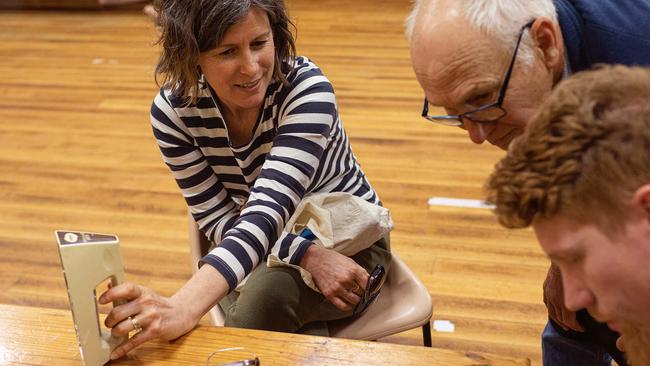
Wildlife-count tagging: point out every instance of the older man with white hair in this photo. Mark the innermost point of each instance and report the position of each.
(490, 63)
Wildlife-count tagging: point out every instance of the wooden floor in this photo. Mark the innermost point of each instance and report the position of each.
(76, 152)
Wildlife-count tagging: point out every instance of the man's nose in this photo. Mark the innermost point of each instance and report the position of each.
(478, 132)
(576, 295)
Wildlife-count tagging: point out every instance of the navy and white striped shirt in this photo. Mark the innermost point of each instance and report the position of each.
(241, 196)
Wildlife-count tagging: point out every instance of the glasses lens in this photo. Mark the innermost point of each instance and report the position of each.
(365, 303)
(489, 114)
(375, 281)
(444, 120)
(372, 299)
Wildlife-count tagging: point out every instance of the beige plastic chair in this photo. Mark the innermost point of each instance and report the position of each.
(404, 303)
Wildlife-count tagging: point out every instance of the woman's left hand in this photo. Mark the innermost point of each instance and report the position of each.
(339, 278)
(156, 316)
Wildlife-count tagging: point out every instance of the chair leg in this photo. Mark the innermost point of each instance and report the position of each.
(426, 334)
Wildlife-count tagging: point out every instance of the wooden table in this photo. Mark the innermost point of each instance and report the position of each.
(42, 336)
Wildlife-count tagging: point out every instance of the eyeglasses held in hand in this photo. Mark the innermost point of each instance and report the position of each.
(373, 287)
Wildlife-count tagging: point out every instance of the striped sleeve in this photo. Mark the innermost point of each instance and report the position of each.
(290, 248)
(306, 116)
(209, 202)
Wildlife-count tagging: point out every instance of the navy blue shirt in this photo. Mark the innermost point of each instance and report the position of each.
(605, 31)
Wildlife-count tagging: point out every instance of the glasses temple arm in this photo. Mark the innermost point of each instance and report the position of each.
(425, 108)
(506, 79)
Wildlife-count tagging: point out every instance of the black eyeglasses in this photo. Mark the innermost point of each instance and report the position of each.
(486, 113)
(375, 281)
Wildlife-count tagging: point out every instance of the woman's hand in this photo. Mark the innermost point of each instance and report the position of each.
(161, 317)
(158, 316)
(340, 279)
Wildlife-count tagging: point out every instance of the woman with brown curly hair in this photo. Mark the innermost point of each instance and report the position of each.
(248, 130)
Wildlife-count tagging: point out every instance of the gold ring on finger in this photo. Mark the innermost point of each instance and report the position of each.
(136, 324)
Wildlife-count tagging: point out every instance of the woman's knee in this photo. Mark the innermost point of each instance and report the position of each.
(269, 301)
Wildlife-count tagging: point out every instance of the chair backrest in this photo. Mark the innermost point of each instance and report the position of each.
(404, 303)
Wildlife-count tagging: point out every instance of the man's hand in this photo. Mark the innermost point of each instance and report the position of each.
(340, 279)
(554, 301)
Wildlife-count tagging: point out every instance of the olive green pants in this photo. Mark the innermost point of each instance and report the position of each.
(278, 299)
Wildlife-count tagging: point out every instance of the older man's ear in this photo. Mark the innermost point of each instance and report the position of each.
(641, 199)
(549, 44)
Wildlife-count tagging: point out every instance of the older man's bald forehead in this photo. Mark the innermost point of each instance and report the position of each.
(455, 79)
(432, 13)
(455, 61)
(454, 48)
(445, 69)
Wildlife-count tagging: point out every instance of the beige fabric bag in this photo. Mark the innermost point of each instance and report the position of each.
(341, 222)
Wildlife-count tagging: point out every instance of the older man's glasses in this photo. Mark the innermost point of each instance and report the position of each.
(375, 281)
(486, 113)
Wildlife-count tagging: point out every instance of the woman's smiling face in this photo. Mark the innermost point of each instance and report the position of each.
(240, 68)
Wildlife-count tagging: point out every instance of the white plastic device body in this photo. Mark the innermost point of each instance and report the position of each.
(89, 259)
